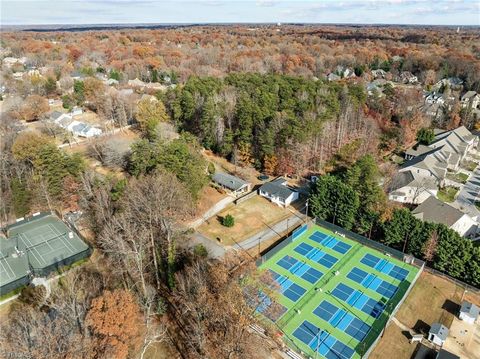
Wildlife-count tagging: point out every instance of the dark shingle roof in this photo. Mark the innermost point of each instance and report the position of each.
(277, 188)
(231, 182)
(434, 210)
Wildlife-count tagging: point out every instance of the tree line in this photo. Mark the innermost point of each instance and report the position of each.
(352, 198)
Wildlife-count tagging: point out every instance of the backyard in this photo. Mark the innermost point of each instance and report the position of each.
(250, 217)
(458, 177)
(447, 194)
(432, 299)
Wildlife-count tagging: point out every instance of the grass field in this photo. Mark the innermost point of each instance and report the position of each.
(431, 300)
(323, 315)
(250, 216)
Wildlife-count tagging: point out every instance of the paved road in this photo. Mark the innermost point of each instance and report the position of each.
(215, 250)
(469, 194)
(270, 232)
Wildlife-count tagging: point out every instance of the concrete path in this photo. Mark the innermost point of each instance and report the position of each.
(401, 325)
(470, 193)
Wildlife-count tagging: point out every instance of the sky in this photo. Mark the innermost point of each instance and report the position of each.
(432, 12)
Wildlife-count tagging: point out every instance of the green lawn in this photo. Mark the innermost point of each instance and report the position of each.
(447, 194)
(303, 309)
(469, 165)
(458, 177)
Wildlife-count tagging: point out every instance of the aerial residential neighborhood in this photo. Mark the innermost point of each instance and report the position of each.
(239, 180)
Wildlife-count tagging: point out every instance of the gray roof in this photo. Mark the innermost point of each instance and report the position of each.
(471, 309)
(434, 210)
(277, 188)
(231, 182)
(56, 114)
(468, 95)
(439, 330)
(401, 179)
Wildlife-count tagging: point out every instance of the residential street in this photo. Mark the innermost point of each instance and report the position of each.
(469, 194)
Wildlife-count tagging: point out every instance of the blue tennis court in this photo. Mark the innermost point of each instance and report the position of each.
(371, 281)
(330, 242)
(289, 289)
(300, 269)
(342, 320)
(322, 342)
(384, 266)
(316, 255)
(272, 310)
(358, 300)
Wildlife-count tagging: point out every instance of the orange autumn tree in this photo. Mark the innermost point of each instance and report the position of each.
(115, 321)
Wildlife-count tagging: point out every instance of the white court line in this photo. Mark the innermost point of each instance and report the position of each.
(11, 270)
(33, 248)
(65, 240)
(4, 269)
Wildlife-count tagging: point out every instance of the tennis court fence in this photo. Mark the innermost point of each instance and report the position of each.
(371, 243)
(296, 232)
(394, 311)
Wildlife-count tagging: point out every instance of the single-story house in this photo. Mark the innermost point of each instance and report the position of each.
(233, 184)
(469, 312)
(278, 192)
(76, 111)
(435, 211)
(83, 130)
(57, 116)
(438, 334)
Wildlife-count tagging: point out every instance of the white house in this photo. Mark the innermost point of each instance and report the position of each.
(405, 188)
(83, 130)
(438, 334)
(470, 98)
(236, 186)
(435, 211)
(469, 312)
(76, 111)
(428, 164)
(278, 192)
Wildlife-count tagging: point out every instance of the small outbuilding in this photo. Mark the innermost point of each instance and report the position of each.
(236, 186)
(469, 312)
(438, 334)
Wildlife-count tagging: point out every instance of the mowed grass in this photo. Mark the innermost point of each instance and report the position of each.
(432, 299)
(251, 216)
(298, 312)
(447, 194)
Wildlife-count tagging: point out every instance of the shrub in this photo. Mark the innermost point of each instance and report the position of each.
(228, 220)
(200, 251)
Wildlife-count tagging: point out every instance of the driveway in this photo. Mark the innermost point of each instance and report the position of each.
(215, 250)
(470, 193)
